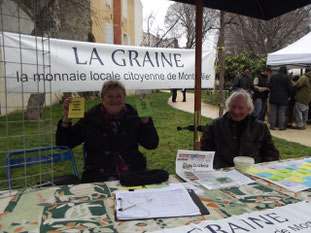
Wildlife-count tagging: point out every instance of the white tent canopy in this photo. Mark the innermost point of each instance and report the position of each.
(295, 55)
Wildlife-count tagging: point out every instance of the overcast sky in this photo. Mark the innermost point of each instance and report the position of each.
(158, 8)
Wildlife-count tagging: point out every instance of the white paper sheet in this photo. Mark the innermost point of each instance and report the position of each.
(172, 201)
(220, 179)
(197, 190)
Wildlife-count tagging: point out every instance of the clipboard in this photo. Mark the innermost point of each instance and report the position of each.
(197, 201)
(139, 204)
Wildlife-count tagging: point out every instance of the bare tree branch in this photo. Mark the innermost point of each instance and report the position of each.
(245, 33)
(184, 15)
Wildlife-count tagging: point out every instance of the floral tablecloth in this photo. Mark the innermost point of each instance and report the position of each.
(90, 207)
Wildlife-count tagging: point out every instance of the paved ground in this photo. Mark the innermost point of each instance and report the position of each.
(293, 135)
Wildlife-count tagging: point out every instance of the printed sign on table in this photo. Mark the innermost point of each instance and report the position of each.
(294, 175)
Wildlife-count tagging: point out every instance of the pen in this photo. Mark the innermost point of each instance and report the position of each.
(131, 206)
(126, 208)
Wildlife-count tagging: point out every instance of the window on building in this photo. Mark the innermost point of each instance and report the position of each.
(108, 3)
(109, 33)
(124, 9)
(126, 39)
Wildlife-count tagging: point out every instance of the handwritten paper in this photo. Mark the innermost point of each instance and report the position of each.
(171, 201)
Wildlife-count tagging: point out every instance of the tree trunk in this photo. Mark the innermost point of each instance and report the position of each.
(69, 19)
(35, 106)
(221, 57)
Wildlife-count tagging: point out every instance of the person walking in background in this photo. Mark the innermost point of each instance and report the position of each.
(302, 96)
(174, 94)
(280, 91)
(243, 80)
(261, 88)
(184, 90)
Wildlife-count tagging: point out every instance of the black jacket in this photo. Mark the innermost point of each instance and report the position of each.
(280, 88)
(222, 136)
(102, 143)
(262, 82)
(242, 81)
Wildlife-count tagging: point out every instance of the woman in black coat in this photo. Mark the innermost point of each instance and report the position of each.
(111, 132)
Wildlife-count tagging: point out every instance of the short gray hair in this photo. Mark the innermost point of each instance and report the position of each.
(111, 84)
(245, 94)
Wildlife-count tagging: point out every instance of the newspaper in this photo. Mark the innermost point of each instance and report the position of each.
(196, 167)
(187, 161)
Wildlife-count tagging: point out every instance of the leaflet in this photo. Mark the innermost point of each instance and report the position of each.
(189, 160)
(76, 108)
(196, 167)
(143, 108)
(221, 179)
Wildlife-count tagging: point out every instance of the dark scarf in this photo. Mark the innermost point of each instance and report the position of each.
(108, 117)
(113, 120)
(113, 124)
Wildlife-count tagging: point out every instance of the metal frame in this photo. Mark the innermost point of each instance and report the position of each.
(45, 155)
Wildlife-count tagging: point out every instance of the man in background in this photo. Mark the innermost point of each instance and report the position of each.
(261, 88)
(238, 133)
(302, 97)
(174, 94)
(243, 80)
(280, 92)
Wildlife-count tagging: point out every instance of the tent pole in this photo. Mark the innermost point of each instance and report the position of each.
(198, 70)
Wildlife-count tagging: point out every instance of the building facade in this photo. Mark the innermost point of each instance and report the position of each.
(150, 40)
(117, 21)
(110, 21)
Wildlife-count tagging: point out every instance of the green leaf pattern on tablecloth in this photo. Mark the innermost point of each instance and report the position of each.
(90, 208)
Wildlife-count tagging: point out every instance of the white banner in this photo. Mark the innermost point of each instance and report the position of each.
(287, 219)
(35, 64)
